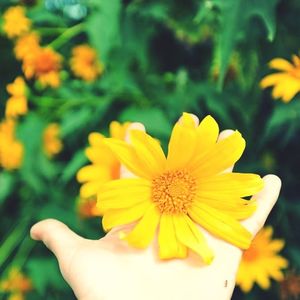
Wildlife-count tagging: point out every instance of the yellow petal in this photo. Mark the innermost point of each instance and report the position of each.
(101, 155)
(93, 173)
(237, 208)
(292, 88)
(272, 79)
(143, 233)
(235, 184)
(223, 155)
(118, 217)
(190, 236)
(148, 152)
(90, 189)
(220, 225)
(169, 246)
(181, 146)
(127, 156)
(123, 193)
(281, 64)
(96, 139)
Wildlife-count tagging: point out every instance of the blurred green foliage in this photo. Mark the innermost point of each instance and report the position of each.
(161, 58)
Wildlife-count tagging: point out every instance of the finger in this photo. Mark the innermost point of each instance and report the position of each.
(266, 199)
(57, 237)
(133, 126)
(222, 136)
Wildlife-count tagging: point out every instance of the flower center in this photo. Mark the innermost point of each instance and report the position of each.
(173, 192)
(46, 63)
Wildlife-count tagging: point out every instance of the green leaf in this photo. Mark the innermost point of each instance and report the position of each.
(154, 119)
(235, 14)
(103, 26)
(7, 181)
(44, 273)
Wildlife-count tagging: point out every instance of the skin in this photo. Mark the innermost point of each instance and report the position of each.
(110, 269)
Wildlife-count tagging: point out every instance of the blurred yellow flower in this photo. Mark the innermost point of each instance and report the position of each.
(15, 22)
(16, 105)
(287, 82)
(174, 193)
(86, 207)
(105, 166)
(16, 283)
(11, 150)
(43, 64)
(261, 262)
(52, 142)
(85, 64)
(26, 44)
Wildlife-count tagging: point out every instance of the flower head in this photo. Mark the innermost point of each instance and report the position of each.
(43, 64)
(16, 105)
(287, 82)
(11, 150)
(26, 44)
(261, 262)
(16, 283)
(105, 165)
(176, 192)
(85, 64)
(15, 22)
(52, 142)
(290, 286)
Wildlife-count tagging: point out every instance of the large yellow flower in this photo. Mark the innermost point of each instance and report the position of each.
(287, 82)
(51, 141)
(43, 64)
(16, 105)
(105, 166)
(85, 64)
(27, 44)
(11, 150)
(261, 262)
(16, 283)
(174, 193)
(15, 22)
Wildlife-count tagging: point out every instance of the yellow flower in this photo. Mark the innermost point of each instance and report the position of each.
(176, 192)
(43, 64)
(287, 82)
(16, 283)
(26, 44)
(52, 142)
(261, 262)
(15, 22)
(105, 166)
(85, 64)
(11, 150)
(16, 105)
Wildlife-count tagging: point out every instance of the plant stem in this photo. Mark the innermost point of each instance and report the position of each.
(66, 35)
(12, 240)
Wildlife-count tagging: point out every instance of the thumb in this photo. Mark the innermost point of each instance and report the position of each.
(58, 238)
(266, 199)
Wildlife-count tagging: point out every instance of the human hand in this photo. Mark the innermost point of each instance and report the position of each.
(110, 269)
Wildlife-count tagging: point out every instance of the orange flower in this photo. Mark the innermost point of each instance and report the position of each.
(43, 64)
(15, 22)
(16, 283)
(84, 63)
(290, 286)
(11, 150)
(287, 82)
(26, 44)
(52, 143)
(86, 207)
(16, 105)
